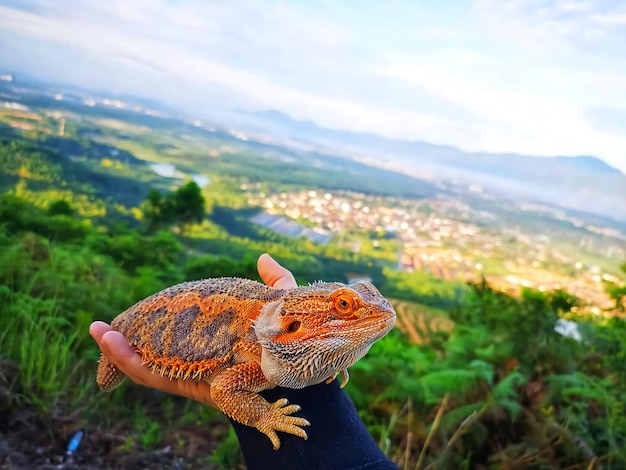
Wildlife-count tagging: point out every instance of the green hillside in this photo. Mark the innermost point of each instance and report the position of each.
(471, 377)
(419, 322)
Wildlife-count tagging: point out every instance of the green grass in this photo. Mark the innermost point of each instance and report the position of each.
(139, 150)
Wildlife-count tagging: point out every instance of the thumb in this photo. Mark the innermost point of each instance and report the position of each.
(273, 274)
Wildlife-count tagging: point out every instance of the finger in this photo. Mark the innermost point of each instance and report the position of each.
(273, 274)
(97, 330)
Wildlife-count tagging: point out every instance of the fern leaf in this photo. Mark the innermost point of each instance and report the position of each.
(505, 388)
(512, 407)
(589, 393)
(437, 384)
(483, 370)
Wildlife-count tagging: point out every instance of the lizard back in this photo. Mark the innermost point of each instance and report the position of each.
(191, 330)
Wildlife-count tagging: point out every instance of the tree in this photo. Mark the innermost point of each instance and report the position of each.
(189, 205)
(60, 207)
(153, 210)
(182, 207)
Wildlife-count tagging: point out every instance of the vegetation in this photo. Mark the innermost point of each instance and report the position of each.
(472, 378)
(502, 390)
(184, 207)
(618, 293)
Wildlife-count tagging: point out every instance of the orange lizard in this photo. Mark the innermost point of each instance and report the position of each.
(243, 337)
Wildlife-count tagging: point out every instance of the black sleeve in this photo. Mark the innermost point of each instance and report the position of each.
(338, 438)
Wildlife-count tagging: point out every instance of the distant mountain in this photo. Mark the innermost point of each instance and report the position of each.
(589, 163)
(311, 130)
(579, 182)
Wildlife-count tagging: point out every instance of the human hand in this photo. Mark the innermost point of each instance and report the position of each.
(115, 347)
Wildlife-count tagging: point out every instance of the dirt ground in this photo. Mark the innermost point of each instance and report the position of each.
(27, 446)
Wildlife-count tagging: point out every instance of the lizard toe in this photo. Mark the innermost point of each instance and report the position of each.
(278, 419)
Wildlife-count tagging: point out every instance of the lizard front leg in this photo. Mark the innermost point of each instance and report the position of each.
(235, 392)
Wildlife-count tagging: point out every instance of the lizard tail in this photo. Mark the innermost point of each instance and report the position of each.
(109, 377)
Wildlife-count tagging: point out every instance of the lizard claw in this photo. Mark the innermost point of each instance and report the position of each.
(277, 419)
(344, 377)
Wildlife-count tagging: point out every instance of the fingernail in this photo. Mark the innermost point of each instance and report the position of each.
(103, 340)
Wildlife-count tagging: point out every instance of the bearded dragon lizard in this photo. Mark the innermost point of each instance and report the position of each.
(243, 337)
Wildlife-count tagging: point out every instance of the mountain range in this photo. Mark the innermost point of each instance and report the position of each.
(584, 183)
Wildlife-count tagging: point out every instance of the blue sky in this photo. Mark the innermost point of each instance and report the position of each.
(541, 77)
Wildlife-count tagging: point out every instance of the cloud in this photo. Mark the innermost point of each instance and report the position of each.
(566, 27)
(611, 121)
(289, 80)
(518, 76)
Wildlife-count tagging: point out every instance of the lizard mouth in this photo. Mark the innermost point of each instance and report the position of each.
(387, 324)
(373, 328)
(382, 325)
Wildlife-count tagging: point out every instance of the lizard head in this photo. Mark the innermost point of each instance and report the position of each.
(314, 332)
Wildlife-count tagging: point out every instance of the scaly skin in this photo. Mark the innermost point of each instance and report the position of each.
(243, 337)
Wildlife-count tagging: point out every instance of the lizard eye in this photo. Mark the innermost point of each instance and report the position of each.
(294, 326)
(344, 304)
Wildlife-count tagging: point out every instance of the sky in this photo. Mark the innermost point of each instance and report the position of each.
(538, 77)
